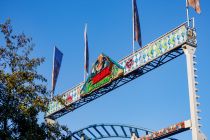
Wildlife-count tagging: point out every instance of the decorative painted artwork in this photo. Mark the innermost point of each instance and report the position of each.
(155, 49)
(163, 132)
(103, 72)
(69, 97)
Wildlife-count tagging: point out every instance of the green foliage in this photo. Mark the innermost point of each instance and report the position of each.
(23, 94)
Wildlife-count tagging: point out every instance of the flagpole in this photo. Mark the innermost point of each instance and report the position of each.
(52, 93)
(187, 13)
(84, 76)
(133, 25)
(85, 63)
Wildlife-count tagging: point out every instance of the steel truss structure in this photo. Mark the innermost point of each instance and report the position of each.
(121, 81)
(139, 70)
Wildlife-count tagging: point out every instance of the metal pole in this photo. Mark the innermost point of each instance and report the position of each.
(52, 94)
(133, 25)
(193, 22)
(85, 63)
(187, 13)
(133, 136)
(189, 52)
(84, 76)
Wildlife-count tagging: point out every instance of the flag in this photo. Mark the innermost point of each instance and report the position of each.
(86, 52)
(58, 55)
(136, 24)
(195, 4)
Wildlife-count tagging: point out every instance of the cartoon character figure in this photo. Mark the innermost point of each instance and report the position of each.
(100, 64)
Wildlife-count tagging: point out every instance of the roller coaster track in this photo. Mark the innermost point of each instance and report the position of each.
(102, 131)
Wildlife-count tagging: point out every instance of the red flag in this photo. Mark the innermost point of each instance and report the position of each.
(136, 24)
(195, 4)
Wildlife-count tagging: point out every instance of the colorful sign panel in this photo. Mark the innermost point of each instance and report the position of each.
(101, 76)
(103, 72)
(155, 49)
(167, 131)
(69, 97)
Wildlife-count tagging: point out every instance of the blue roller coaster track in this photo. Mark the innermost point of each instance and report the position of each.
(102, 131)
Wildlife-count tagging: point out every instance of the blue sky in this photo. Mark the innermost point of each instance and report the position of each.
(155, 100)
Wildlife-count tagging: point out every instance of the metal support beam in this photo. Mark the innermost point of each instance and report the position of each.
(114, 130)
(121, 81)
(123, 131)
(133, 136)
(105, 130)
(189, 52)
(49, 121)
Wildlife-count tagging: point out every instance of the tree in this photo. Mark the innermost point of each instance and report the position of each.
(23, 94)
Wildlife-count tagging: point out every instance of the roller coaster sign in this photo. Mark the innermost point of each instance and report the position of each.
(103, 72)
(163, 133)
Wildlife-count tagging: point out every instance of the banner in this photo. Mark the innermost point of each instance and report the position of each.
(136, 24)
(195, 4)
(58, 55)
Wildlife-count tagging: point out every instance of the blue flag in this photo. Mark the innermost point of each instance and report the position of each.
(58, 55)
